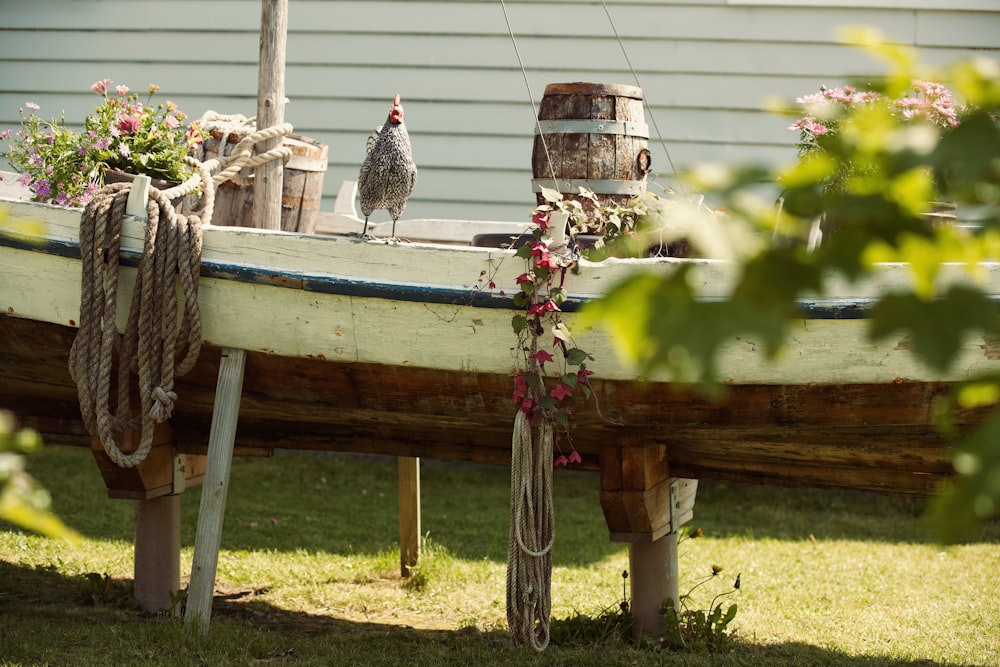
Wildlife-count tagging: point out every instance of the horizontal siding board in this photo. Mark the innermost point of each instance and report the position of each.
(706, 68)
(663, 21)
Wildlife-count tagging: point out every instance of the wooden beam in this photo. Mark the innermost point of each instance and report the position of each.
(635, 491)
(215, 488)
(409, 514)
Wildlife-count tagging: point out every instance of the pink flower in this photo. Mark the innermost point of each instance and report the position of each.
(818, 129)
(124, 150)
(574, 457)
(527, 404)
(562, 461)
(101, 87)
(542, 308)
(547, 263)
(171, 122)
(32, 105)
(129, 125)
(561, 391)
(542, 220)
(523, 278)
(541, 356)
(122, 90)
(520, 389)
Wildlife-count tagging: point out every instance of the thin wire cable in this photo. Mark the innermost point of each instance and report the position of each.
(635, 77)
(527, 86)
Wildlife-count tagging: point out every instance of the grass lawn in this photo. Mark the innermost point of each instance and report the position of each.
(308, 575)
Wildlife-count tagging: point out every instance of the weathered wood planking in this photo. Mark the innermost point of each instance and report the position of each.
(397, 349)
(876, 437)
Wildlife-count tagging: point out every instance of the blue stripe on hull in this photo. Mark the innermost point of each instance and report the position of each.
(829, 309)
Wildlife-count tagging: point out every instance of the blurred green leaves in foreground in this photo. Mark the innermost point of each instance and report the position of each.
(23, 501)
(869, 190)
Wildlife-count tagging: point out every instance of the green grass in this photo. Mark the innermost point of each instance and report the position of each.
(308, 575)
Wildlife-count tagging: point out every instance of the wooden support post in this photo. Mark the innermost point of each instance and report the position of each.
(409, 514)
(645, 507)
(270, 111)
(654, 579)
(215, 486)
(157, 564)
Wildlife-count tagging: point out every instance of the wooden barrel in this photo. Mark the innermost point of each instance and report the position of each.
(302, 189)
(591, 135)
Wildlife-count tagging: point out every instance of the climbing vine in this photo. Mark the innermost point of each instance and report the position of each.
(553, 377)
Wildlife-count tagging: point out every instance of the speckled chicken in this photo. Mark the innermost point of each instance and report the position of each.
(388, 173)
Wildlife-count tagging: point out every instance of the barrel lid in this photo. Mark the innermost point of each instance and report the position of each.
(583, 88)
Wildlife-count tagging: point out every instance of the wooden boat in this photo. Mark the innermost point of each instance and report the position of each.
(398, 348)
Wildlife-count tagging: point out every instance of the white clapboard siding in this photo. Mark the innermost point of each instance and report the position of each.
(707, 69)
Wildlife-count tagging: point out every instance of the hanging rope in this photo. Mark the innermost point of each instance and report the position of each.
(157, 344)
(162, 338)
(532, 533)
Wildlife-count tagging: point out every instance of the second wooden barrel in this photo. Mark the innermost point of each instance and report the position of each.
(591, 135)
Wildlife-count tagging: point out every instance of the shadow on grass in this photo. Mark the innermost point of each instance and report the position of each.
(52, 618)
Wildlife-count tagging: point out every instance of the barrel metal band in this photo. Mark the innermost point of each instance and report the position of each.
(583, 126)
(597, 186)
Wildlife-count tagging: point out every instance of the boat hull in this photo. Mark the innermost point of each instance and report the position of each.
(407, 349)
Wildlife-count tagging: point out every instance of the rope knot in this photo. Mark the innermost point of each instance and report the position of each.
(163, 404)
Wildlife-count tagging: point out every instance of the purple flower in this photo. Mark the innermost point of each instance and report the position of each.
(41, 188)
(35, 160)
(24, 179)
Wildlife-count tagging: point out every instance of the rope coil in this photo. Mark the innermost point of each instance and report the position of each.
(532, 533)
(162, 338)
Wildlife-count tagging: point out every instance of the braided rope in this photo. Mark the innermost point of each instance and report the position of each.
(156, 345)
(532, 533)
(242, 155)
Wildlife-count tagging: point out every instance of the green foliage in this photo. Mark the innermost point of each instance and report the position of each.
(889, 170)
(700, 630)
(23, 501)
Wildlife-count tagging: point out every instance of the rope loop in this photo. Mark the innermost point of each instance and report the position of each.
(532, 533)
(243, 154)
(161, 338)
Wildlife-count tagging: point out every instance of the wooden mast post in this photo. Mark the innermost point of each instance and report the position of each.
(267, 215)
